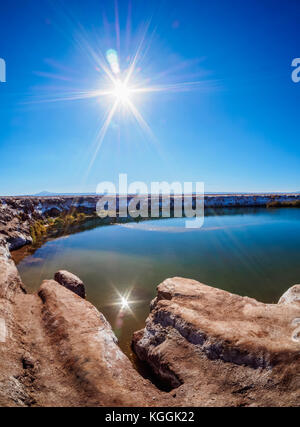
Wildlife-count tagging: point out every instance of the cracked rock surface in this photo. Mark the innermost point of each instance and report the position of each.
(212, 348)
(220, 349)
(56, 349)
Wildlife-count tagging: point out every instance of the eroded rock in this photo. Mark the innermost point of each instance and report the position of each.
(86, 350)
(71, 282)
(58, 350)
(10, 281)
(221, 349)
(212, 347)
(291, 296)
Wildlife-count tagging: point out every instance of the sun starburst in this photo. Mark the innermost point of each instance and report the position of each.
(120, 86)
(122, 92)
(124, 302)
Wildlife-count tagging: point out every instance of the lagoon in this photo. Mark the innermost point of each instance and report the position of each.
(249, 251)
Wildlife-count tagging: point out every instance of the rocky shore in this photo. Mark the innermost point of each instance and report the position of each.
(220, 349)
(208, 347)
(18, 215)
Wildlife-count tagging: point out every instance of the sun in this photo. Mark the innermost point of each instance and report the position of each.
(122, 87)
(124, 303)
(121, 92)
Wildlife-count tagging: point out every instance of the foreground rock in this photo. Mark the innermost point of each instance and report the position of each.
(10, 281)
(219, 349)
(211, 348)
(56, 349)
(291, 296)
(71, 282)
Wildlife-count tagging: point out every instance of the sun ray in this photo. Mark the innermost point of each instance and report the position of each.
(177, 87)
(102, 133)
(136, 56)
(117, 27)
(120, 84)
(141, 121)
(98, 57)
(71, 96)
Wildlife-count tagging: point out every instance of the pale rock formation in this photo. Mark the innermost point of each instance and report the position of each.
(211, 347)
(221, 349)
(56, 349)
(71, 282)
(291, 296)
(10, 281)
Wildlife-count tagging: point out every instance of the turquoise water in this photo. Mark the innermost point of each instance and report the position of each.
(253, 252)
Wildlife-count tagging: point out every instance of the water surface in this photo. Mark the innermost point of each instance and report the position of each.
(253, 252)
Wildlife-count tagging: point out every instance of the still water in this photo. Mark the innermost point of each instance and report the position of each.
(253, 252)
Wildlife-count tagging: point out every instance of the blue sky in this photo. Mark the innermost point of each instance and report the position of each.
(237, 129)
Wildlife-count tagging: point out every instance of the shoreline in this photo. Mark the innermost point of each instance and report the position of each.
(24, 219)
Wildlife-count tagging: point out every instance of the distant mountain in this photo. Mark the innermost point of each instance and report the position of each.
(44, 194)
(209, 193)
(49, 194)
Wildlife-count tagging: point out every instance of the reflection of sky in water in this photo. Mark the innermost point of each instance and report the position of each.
(254, 254)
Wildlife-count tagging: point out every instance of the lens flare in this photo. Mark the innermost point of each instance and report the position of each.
(121, 82)
(113, 60)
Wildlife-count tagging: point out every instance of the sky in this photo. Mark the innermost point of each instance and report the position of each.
(224, 111)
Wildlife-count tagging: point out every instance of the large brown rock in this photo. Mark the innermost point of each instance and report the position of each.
(10, 281)
(71, 282)
(85, 351)
(220, 349)
(57, 350)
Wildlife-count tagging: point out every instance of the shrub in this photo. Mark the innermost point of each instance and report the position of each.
(59, 222)
(37, 230)
(80, 217)
(290, 204)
